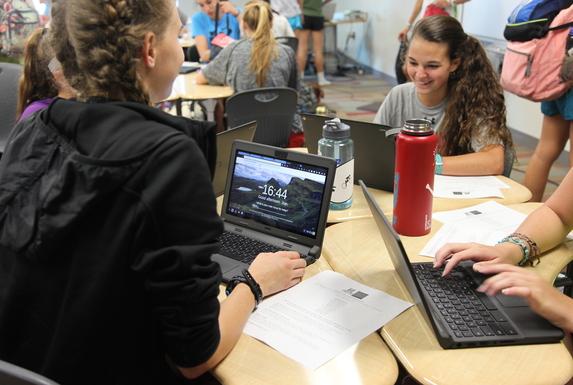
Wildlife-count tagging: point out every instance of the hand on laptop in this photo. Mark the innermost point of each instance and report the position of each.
(278, 271)
(453, 253)
(543, 298)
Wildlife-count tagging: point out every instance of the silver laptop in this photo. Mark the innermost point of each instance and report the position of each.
(274, 200)
(461, 316)
(225, 141)
(374, 152)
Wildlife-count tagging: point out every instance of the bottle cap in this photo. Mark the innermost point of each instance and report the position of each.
(335, 129)
(417, 127)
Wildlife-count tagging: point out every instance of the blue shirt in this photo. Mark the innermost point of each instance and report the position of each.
(203, 25)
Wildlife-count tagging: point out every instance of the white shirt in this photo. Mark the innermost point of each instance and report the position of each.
(281, 26)
(287, 8)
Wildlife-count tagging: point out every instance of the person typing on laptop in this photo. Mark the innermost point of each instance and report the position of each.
(542, 230)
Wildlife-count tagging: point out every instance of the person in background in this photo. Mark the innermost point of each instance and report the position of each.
(523, 248)
(42, 78)
(108, 218)
(312, 25)
(281, 25)
(203, 26)
(291, 10)
(456, 89)
(556, 130)
(432, 8)
(256, 60)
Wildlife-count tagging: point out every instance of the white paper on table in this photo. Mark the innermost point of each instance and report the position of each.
(468, 187)
(321, 317)
(488, 224)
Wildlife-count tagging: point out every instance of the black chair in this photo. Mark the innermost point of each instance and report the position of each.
(14, 375)
(9, 77)
(272, 108)
(291, 41)
(508, 159)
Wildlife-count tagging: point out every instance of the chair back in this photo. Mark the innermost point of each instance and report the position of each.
(9, 77)
(14, 375)
(291, 41)
(508, 159)
(273, 109)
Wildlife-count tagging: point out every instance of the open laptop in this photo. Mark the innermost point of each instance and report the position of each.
(374, 152)
(225, 141)
(461, 316)
(274, 200)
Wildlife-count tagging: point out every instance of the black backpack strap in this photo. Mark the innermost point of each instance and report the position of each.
(566, 25)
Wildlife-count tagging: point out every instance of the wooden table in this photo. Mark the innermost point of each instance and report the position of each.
(356, 249)
(253, 363)
(186, 88)
(516, 193)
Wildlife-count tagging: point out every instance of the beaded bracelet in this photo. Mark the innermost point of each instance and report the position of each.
(529, 249)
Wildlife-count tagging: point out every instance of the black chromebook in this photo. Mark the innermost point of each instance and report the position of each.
(374, 152)
(461, 316)
(274, 200)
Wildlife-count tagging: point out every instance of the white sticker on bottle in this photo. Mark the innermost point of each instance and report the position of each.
(343, 182)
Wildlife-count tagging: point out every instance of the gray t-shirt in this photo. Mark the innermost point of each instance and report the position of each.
(232, 67)
(402, 103)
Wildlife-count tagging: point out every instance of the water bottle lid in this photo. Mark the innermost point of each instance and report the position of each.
(335, 129)
(417, 127)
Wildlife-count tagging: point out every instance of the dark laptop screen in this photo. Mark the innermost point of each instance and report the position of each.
(275, 192)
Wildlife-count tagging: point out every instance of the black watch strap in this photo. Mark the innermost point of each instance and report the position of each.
(247, 279)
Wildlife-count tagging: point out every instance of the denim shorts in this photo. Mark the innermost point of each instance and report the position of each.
(562, 106)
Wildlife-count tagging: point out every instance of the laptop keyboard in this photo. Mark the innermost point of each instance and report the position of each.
(242, 248)
(467, 312)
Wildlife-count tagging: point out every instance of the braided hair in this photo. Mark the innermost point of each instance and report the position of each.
(102, 43)
(475, 97)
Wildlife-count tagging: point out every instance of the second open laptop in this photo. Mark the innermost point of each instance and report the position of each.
(373, 152)
(225, 141)
(461, 316)
(274, 200)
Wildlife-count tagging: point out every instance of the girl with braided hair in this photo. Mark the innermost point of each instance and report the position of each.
(256, 61)
(454, 86)
(108, 219)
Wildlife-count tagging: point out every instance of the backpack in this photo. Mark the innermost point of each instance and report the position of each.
(531, 69)
(531, 19)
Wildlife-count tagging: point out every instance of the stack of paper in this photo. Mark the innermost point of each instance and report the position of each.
(485, 223)
(468, 187)
(321, 317)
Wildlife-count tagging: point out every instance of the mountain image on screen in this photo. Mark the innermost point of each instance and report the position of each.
(298, 209)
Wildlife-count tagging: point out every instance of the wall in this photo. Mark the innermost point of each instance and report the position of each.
(376, 45)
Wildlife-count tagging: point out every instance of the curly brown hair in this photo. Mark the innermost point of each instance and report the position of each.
(475, 96)
(36, 81)
(99, 43)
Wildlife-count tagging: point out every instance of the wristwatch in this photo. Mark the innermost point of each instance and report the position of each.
(439, 164)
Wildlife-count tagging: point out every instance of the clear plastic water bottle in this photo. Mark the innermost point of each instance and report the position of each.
(336, 144)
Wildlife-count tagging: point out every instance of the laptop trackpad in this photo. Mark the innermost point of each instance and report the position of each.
(225, 263)
(509, 301)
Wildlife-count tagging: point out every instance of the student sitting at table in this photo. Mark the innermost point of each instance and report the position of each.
(108, 218)
(542, 230)
(205, 27)
(454, 86)
(255, 61)
(42, 78)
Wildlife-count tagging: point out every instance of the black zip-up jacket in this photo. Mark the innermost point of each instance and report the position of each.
(107, 224)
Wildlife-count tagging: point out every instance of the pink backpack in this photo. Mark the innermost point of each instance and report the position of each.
(531, 68)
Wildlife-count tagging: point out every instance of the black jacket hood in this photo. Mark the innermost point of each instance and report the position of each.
(63, 160)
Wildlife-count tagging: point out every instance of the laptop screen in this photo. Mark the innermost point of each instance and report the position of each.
(284, 194)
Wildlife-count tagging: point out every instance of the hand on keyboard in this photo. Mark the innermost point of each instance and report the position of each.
(451, 254)
(278, 271)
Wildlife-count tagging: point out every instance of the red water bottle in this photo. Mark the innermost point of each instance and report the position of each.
(414, 178)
